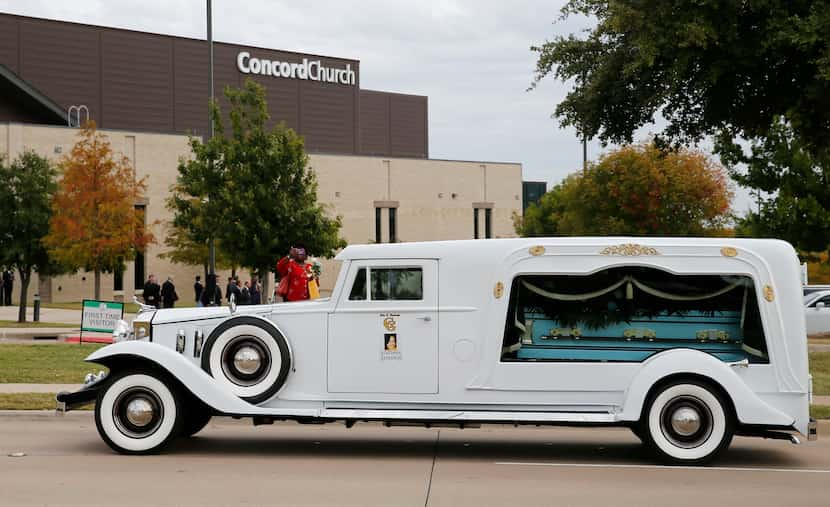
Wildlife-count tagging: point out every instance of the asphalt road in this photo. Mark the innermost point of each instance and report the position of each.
(233, 463)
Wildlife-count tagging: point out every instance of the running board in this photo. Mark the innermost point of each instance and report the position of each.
(478, 416)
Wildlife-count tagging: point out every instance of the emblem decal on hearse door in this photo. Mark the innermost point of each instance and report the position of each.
(389, 322)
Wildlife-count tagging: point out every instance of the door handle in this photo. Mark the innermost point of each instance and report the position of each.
(426, 318)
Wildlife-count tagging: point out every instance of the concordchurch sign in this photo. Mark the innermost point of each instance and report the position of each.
(311, 70)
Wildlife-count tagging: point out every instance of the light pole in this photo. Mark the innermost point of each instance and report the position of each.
(211, 244)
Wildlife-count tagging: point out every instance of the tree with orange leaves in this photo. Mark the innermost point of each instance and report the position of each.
(639, 190)
(95, 224)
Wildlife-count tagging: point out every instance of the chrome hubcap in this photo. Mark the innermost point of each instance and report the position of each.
(685, 421)
(247, 360)
(140, 412)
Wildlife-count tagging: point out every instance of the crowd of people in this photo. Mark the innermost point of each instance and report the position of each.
(298, 281)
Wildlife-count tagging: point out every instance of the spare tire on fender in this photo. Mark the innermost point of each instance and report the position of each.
(248, 356)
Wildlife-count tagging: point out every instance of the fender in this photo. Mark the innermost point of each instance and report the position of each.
(749, 408)
(193, 378)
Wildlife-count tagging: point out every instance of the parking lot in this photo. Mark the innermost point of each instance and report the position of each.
(231, 462)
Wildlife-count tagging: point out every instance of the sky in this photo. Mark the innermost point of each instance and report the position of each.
(471, 58)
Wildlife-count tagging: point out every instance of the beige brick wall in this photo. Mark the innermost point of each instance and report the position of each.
(435, 198)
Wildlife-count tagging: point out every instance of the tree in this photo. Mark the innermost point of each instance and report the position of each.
(187, 249)
(704, 66)
(639, 190)
(796, 182)
(95, 224)
(758, 71)
(25, 196)
(252, 189)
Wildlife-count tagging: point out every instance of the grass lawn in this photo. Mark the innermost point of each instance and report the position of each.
(30, 401)
(820, 411)
(48, 363)
(16, 324)
(820, 369)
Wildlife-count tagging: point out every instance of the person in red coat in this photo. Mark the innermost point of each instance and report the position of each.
(298, 272)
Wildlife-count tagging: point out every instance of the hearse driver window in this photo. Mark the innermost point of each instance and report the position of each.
(358, 292)
(628, 314)
(389, 284)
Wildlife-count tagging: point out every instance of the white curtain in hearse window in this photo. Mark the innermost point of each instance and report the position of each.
(626, 314)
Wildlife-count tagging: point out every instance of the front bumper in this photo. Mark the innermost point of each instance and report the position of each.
(67, 401)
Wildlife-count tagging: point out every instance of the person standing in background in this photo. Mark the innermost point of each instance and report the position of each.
(256, 291)
(168, 293)
(8, 286)
(245, 294)
(197, 289)
(212, 295)
(294, 267)
(152, 292)
(228, 290)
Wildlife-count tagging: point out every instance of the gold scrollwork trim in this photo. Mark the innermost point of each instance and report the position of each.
(629, 250)
(498, 290)
(729, 251)
(769, 295)
(536, 250)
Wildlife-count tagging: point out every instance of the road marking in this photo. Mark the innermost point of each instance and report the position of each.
(666, 467)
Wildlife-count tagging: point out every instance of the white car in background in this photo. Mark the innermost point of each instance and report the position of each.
(817, 312)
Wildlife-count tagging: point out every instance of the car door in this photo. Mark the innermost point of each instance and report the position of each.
(383, 333)
(817, 316)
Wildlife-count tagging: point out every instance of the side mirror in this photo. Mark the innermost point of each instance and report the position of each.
(820, 305)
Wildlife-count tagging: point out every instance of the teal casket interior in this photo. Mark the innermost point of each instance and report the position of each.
(629, 314)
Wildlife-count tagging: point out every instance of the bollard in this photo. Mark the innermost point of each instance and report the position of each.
(37, 307)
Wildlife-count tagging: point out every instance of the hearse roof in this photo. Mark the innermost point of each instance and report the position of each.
(488, 247)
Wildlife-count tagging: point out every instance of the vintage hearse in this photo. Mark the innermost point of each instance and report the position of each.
(687, 341)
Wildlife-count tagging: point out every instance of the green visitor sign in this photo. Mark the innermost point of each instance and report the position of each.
(101, 316)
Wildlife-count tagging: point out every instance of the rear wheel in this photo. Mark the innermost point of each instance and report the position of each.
(137, 413)
(687, 422)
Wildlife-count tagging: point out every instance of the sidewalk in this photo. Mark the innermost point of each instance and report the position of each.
(38, 388)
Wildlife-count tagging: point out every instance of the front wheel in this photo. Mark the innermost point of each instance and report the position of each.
(137, 413)
(687, 422)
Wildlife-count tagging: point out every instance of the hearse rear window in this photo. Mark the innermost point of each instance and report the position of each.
(630, 313)
(389, 284)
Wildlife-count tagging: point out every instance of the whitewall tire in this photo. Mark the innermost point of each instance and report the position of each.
(138, 413)
(687, 422)
(247, 357)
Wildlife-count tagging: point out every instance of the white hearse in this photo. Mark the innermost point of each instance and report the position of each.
(687, 341)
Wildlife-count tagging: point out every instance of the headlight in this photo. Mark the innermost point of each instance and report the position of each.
(142, 330)
(121, 332)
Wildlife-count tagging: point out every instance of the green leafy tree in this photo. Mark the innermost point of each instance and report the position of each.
(252, 189)
(758, 71)
(796, 183)
(198, 200)
(25, 210)
(639, 190)
(187, 250)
